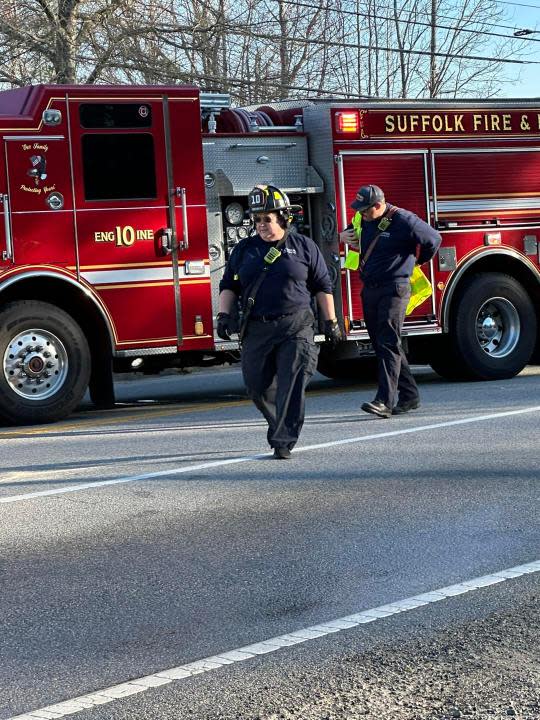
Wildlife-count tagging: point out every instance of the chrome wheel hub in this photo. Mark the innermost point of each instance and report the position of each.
(498, 327)
(35, 364)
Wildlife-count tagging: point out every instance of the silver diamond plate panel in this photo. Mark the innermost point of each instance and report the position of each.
(216, 239)
(171, 350)
(238, 163)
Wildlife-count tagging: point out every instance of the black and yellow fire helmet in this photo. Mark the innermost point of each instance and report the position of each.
(268, 198)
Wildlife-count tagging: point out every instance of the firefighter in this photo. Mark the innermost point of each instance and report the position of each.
(392, 240)
(275, 274)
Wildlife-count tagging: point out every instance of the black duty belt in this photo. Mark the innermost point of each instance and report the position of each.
(271, 318)
(373, 285)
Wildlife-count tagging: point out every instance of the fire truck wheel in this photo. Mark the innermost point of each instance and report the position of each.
(443, 359)
(494, 327)
(101, 385)
(359, 369)
(45, 363)
(535, 358)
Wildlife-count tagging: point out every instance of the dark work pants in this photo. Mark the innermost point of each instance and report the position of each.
(384, 313)
(278, 360)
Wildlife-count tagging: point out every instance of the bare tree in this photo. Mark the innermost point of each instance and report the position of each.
(48, 35)
(261, 50)
(445, 49)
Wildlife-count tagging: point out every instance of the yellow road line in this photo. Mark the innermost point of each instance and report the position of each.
(118, 419)
(141, 414)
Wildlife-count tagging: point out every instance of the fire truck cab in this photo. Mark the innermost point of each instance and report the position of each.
(120, 206)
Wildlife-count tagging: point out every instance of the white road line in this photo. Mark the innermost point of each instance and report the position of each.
(249, 458)
(269, 645)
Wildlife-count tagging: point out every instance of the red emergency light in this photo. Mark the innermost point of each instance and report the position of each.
(347, 122)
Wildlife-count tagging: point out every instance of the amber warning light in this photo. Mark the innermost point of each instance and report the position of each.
(347, 122)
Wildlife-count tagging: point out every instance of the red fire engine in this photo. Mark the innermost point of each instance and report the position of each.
(120, 206)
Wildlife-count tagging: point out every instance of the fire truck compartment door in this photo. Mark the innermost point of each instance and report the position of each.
(38, 220)
(403, 176)
(188, 214)
(132, 223)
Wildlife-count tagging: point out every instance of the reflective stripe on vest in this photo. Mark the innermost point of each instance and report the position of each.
(352, 259)
(357, 225)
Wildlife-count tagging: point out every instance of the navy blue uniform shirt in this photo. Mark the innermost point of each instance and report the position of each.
(289, 282)
(394, 255)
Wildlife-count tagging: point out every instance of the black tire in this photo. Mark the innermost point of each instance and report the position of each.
(444, 360)
(358, 369)
(535, 357)
(45, 363)
(101, 385)
(493, 328)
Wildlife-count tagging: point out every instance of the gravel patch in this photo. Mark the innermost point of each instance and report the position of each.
(486, 669)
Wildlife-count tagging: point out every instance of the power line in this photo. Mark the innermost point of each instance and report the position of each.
(357, 13)
(190, 77)
(379, 48)
(506, 2)
(238, 19)
(269, 83)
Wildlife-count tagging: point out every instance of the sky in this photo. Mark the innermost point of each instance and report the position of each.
(528, 85)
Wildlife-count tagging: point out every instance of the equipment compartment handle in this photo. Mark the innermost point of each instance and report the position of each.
(184, 243)
(8, 252)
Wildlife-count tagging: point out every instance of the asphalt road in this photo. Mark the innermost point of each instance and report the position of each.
(158, 533)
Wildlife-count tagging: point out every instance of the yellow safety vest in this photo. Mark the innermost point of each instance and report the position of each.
(352, 259)
(421, 288)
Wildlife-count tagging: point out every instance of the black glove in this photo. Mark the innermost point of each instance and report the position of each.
(332, 332)
(225, 325)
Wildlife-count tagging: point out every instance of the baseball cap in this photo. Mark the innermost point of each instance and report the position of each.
(367, 196)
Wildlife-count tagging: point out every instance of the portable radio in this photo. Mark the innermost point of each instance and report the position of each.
(384, 224)
(272, 255)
